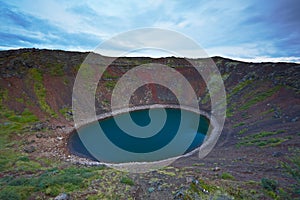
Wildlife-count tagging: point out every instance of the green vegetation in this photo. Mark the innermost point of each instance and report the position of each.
(64, 111)
(239, 124)
(225, 76)
(51, 181)
(110, 84)
(270, 186)
(239, 87)
(227, 175)
(271, 142)
(261, 140)
(206, 98)
(229, 112)
(40, 91)
(56, 69)
(244, 130)
(263, 134)
(293, 169)
(13, 125)
(268, 111)
(20, 100)
(106, 75)
(126, 180)
(259, 98)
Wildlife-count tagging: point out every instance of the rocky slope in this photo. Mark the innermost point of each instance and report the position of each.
(257, 155)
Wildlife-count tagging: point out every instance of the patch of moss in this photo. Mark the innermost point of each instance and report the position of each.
(292, 168)
(263, 134)
(40, 91)
(56, 69)
(64, 111)
(165, 172)
(271, 142)
(239, 87)
(52, 181)
(110, 84)
(225, 76)
(20, 100)
(244, 130)
(267, 111)
(227, 176)
(259, 98)
(126, 180)
(108, 76)
(239, 124)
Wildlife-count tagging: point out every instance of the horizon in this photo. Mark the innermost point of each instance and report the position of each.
(249, 31)
(270, 60)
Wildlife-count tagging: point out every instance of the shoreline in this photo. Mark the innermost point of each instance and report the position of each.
(85, 161)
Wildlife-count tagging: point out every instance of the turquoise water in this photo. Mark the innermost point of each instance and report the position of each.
(147, 140)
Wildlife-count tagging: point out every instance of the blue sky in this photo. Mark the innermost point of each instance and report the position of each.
(251, 30)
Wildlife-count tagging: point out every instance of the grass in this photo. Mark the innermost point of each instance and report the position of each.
(259, 98)
(110, 84)
(64, 111)
(56, 69)
(13, 124)
(268, 111)
(261, 140)
(271, 142)
(108, 76)
(126, 180)
(244, 130)
(292, 167)
(227, 176)
(40, 91)
(51, 182)
(229, 112)
(263, 134)
(239, 87)
(239, 124)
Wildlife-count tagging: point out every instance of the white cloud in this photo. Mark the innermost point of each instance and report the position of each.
(291, 59)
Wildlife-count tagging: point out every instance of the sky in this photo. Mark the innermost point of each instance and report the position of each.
(249, 30)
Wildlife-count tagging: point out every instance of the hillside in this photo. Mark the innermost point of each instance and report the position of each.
(256, 157)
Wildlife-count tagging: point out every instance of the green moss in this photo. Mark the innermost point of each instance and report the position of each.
(271, 142)
(259, 98)
(239, 87)
(25, 117)
(9, 193)
(51, 182)
(110, 84)
(244, 130)
(40, 91)
(56, 69)
(126, 180)
(264, 134)
(64, 111)
(227, 175)
(267, 111)
(239, 124)
(165, 172)
(20, 100)
(269, 184)
(27, 166)
(229, 112)
(225, 76)
(106, 75)
(292, 168)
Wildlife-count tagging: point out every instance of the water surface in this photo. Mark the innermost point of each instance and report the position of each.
(148, 139)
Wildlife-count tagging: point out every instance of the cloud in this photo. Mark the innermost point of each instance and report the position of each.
(232, 28)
